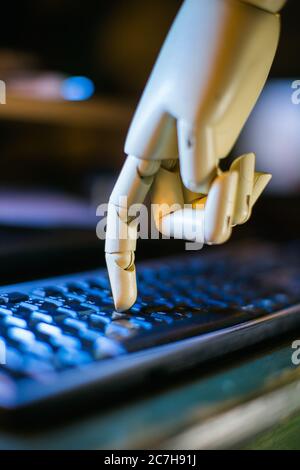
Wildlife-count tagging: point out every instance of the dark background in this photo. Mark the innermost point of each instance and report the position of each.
(115, 43)
(95, 37)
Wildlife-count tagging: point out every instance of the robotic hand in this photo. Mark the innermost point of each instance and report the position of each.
(208, 77)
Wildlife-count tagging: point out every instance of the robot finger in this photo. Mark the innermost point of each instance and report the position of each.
(131, 188)
(245, 167)
(261, 181)
(219, 208)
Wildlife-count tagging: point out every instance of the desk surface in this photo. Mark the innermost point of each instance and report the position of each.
(224, 408)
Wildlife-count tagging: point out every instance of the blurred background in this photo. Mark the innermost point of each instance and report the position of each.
(74, 72)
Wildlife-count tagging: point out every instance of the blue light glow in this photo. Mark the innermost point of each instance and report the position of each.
(77, 88)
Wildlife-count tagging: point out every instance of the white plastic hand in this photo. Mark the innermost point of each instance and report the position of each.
(207, 78)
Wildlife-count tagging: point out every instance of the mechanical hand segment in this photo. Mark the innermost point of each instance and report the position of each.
(207, 79)
(206, 220)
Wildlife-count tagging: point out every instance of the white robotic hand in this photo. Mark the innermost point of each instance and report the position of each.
(207, 79)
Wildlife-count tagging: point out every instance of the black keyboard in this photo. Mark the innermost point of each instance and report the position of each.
(62, 334)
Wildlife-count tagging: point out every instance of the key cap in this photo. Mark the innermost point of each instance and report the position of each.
(71, 325)
(215, 304)
(65, 341)
(54, 336)
(120, 316)
(90, 306)
(5, 311)
(88, 338)
(39, 349)
(55, 291)
(141, 324)
(26, 308)
(13, 297)
(20, 335)
(60, 318)
(106, 348)
(182, 315)
(50, 305)
(98, 321)
(76, 310)
(62, 312)
(119, 331)
(99, 283)
(72, 358)
(46, 332)
(77, 288)
(162, 318)
(100, 301)
(72, 304)
(75, 297)
(38, 317)
(9, 320)
(50, 330)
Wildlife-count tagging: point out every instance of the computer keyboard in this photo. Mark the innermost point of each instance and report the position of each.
(62, 333)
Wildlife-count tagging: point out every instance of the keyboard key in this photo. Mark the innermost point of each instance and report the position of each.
(50, 305)
(99, 283)
(65, 341)
(77, 288)
(71, 325)
(27, 308)
(48, 330)
(77, 308)
(72, 358)
(90, 307)
(182, 315)
(9, 320)
(88, 337)
(120, 330)
(120, 316)
(63, 312)
(52, 291)
(54, 336)
(70, 297)
(98, 321)
(13, 297)
(5, 311)
(104, 348)
(59, 318)
(141, 323)
(162, 318)
(20, 335)
(38, 317)
(39, 349)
